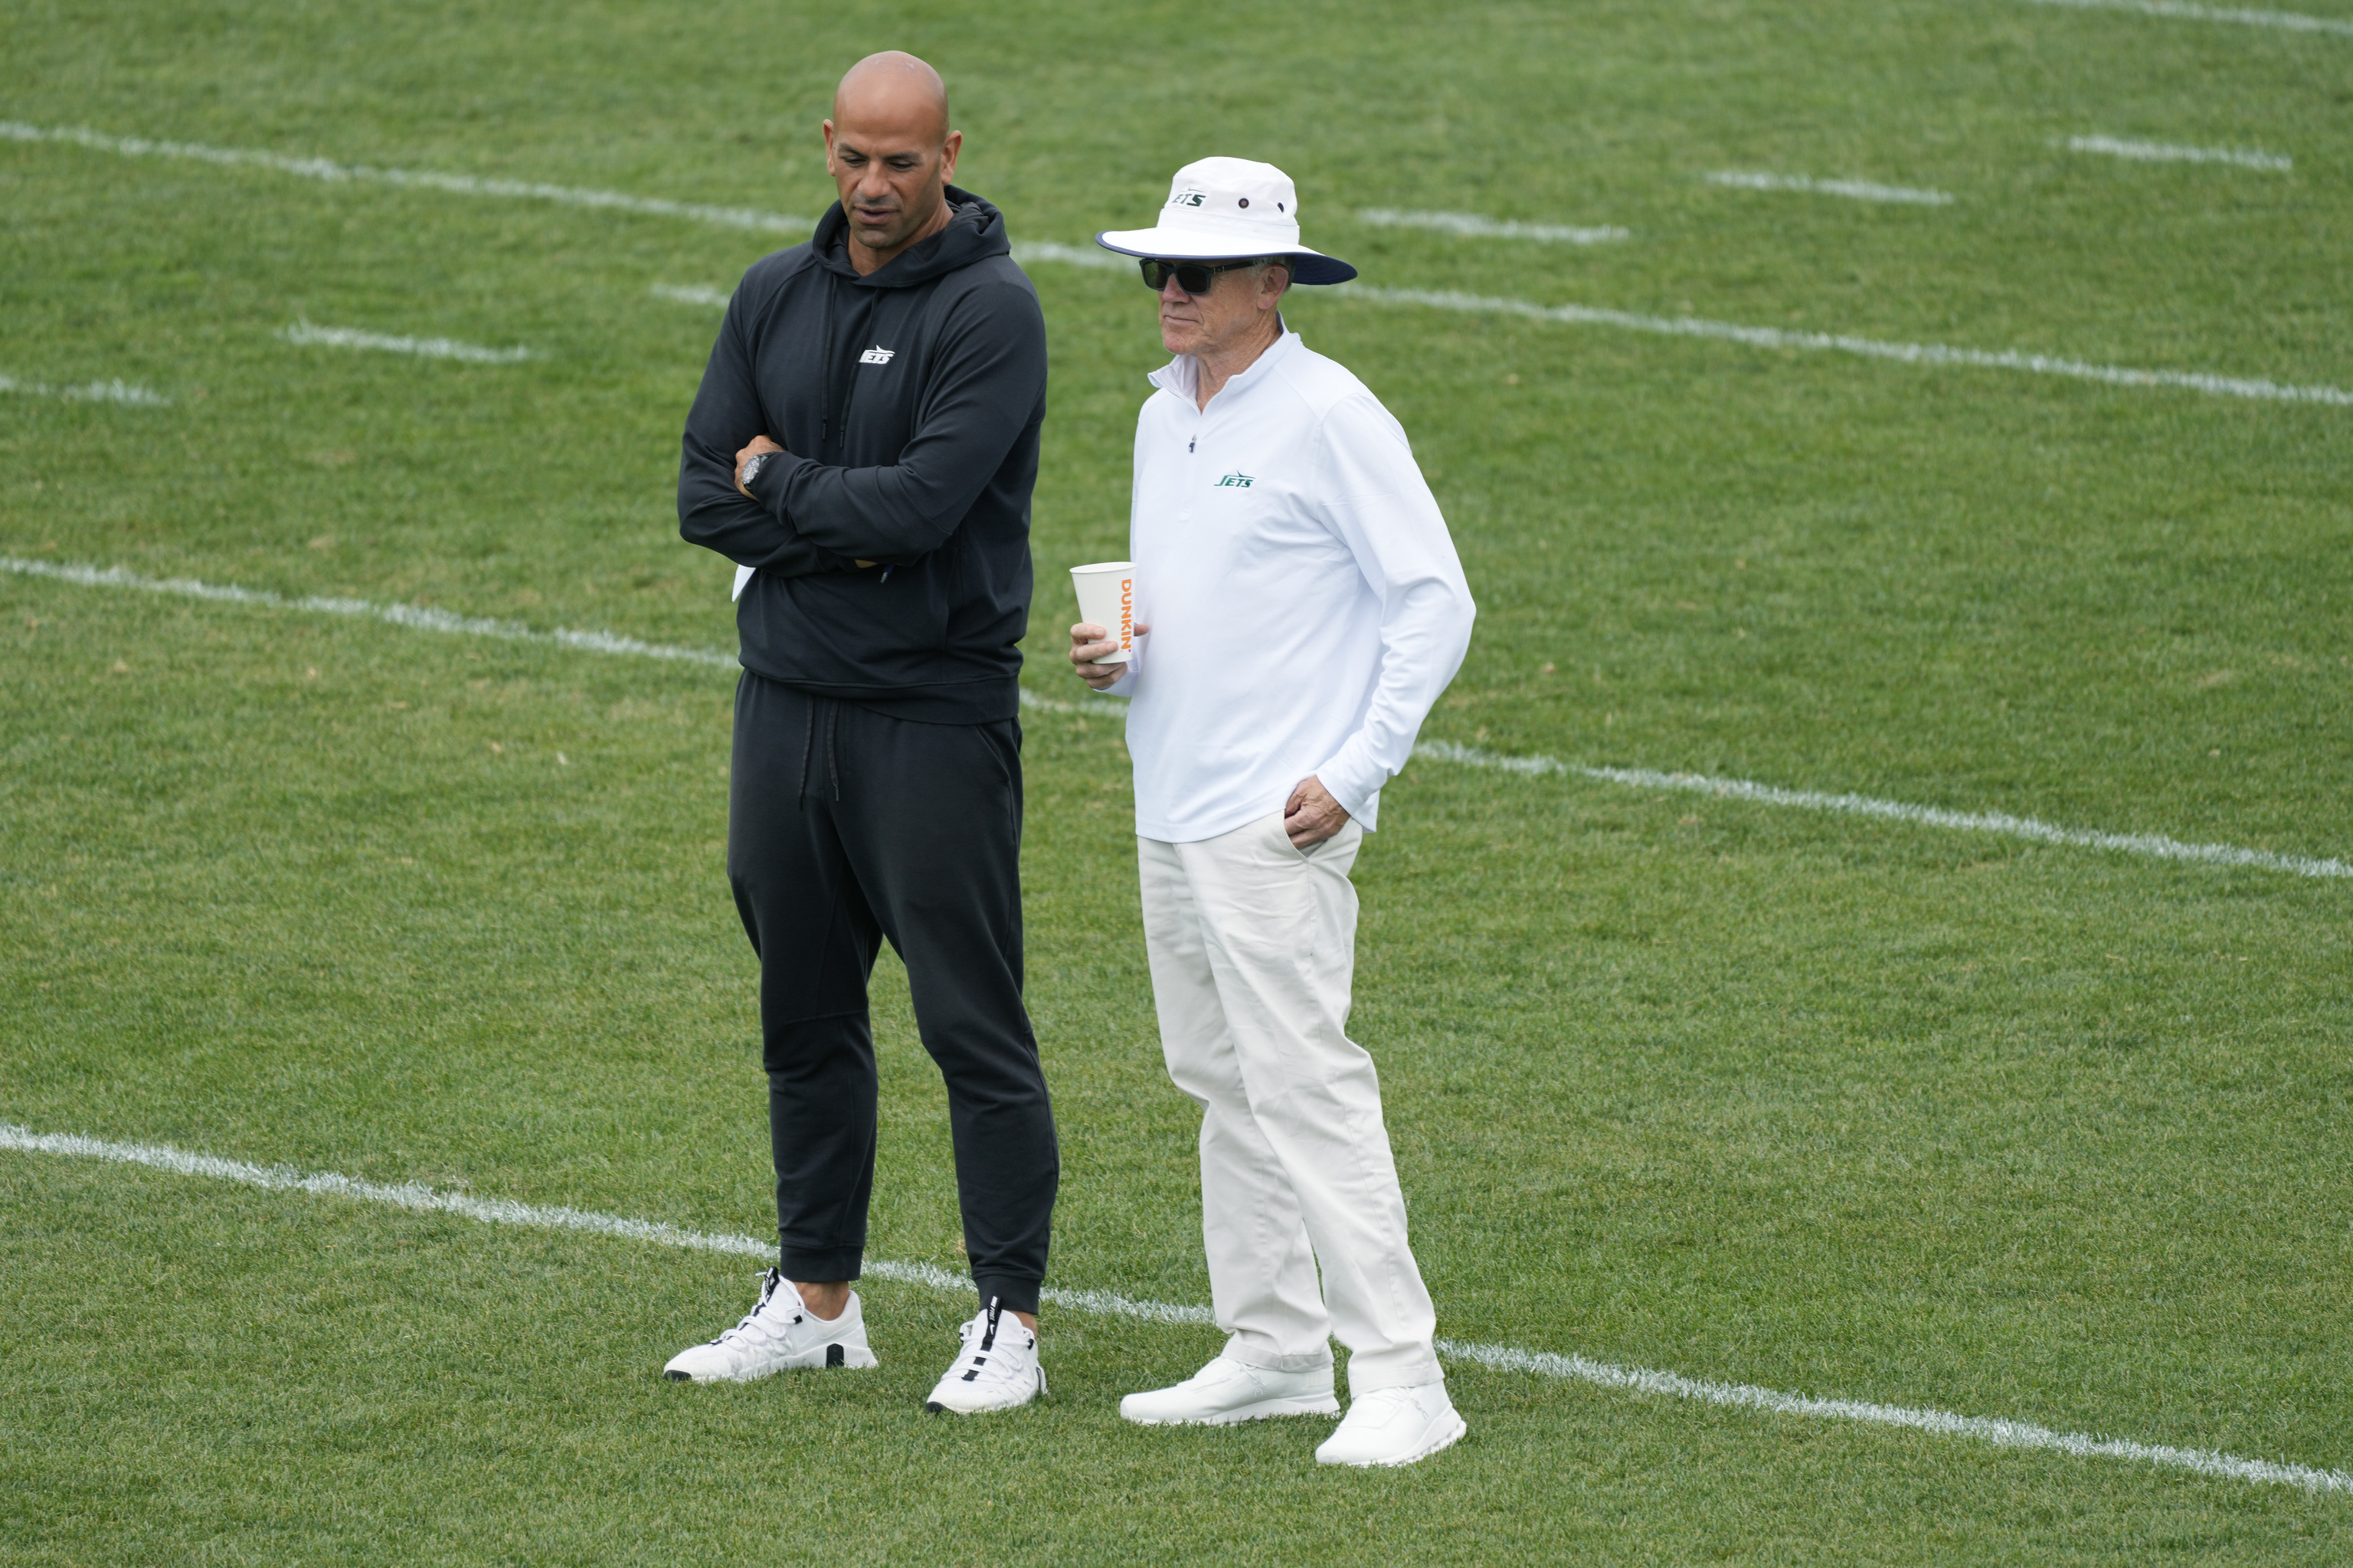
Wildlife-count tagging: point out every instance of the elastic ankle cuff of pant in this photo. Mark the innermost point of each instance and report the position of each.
(1012, 1295)
(819, 1267)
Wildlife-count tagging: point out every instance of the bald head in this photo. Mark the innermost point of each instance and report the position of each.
(892, 154)
(897, 90)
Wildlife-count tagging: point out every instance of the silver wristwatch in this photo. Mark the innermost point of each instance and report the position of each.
(752, 467)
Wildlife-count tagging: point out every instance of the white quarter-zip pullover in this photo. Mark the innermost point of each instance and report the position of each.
(1305, 601)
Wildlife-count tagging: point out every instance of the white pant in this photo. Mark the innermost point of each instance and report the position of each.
(1253, 947)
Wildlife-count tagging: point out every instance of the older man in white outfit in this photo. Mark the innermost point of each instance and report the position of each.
(1300, 608)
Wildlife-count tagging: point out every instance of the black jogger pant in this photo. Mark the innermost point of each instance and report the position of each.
(845, 827)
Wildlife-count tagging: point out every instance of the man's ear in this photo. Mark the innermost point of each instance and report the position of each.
(948, 151)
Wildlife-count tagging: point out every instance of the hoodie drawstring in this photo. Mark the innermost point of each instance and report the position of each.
(832, 752)
(809, 734)
(827, 372)
(809, 741)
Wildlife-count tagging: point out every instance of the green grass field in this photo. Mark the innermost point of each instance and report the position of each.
(1781, 1097)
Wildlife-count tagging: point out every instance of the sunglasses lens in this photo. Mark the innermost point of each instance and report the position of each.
(1191, 276)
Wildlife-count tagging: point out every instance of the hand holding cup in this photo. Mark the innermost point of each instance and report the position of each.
(1089, 642)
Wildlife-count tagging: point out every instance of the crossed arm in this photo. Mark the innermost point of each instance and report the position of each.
(758, 445)
(983, 383)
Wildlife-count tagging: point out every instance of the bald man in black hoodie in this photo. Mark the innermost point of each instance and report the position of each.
(863, 448)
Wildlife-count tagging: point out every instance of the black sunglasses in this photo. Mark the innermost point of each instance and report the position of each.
(1193, 277)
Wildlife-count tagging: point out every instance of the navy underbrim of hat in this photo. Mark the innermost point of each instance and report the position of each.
(1306, 266)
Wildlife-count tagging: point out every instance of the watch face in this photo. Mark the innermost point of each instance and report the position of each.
(752, 469)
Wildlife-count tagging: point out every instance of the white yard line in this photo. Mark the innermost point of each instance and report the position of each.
(303, 332)
(2292, 21)
(114, 391)
(1867, 347)
(421, 618)
(420, 1198)
(1471, 226)
(2162, 153)
(1993, 1429)
(416, 179)
(2152, 845)
(1584, 315)
(1930, 354)
(414, 617)
(693, 294)
(1853, 190)
(1095, 256)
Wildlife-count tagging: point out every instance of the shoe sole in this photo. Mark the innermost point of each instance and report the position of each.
(1329, 1404)
(836, 1355)
(1450, 1437)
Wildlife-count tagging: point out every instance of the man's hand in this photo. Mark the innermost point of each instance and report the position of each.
(1089, 642)
(763, 444)
(1311, 815)
(759, 444)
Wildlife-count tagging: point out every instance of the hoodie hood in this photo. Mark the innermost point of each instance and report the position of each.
(976, 232)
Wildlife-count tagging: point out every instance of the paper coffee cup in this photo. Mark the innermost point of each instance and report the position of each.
(1107, 598)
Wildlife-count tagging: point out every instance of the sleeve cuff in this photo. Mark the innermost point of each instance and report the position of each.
(768, 487)
(1347, 783)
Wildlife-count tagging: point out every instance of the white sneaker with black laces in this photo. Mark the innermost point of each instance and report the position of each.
(997, 1370)
(777, 1333)
(1226, 1391)
(1394, 1426)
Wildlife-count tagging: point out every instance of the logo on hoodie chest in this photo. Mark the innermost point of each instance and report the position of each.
(1236, 482)
(877, 355)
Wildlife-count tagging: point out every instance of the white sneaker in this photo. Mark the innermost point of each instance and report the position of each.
(778, 1333)
(997, 1370)
(1394, 1426)
(1226, 1391)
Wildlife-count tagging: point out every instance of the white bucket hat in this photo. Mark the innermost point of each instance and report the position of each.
(1224, 210)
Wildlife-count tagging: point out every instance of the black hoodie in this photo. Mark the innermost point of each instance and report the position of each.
(908, 403)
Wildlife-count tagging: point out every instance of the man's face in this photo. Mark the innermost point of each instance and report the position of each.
(892, 168)
(1226, 315)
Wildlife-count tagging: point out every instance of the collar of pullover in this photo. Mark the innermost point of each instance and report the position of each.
(974, 233)
(1182, 374)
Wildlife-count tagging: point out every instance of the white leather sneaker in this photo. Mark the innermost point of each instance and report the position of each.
(1226, 1391)
(997, 1370)
(778, 1333)
(1394, 1426)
